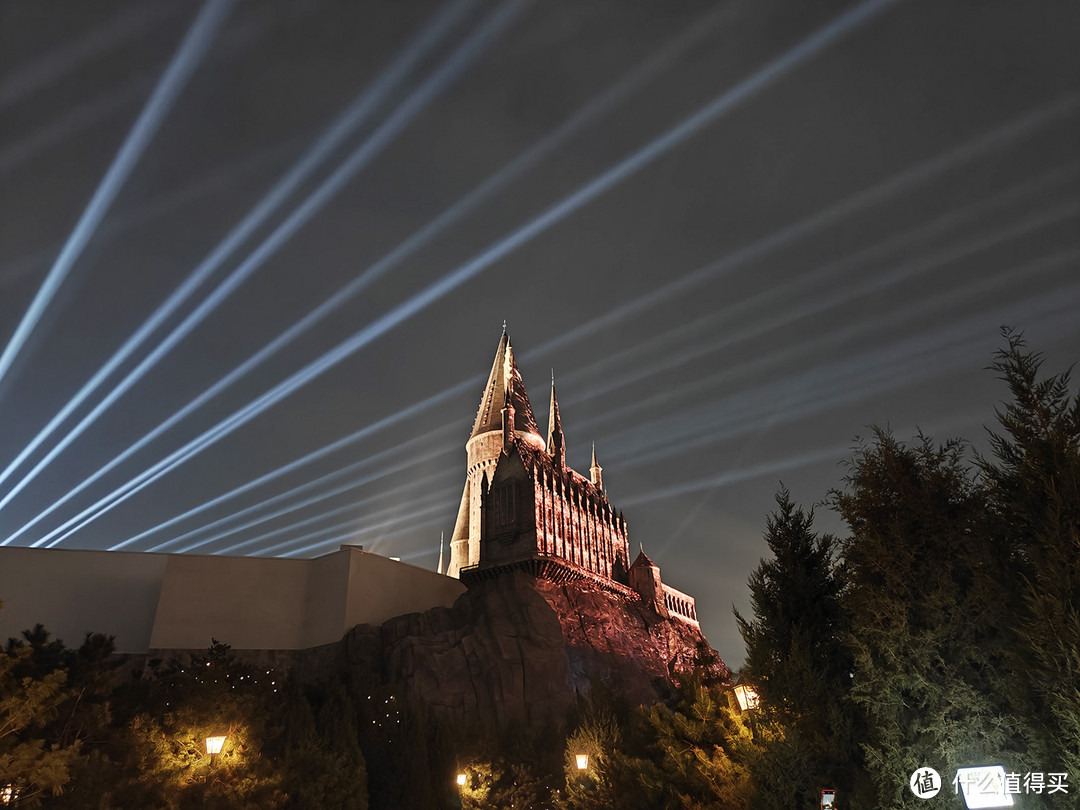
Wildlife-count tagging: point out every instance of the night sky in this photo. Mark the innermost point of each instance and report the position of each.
(740, 233)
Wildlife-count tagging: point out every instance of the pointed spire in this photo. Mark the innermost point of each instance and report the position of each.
(504, 391)
(556, 442)
(442, 543)
(596, 472)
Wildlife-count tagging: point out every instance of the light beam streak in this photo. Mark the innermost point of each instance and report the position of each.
(589, 113)
(161, 205)
(851, 335)
(194, 46)
(306, 502)
(315, 455)
(354, 116)
(383, 538)
(758, 308)
(448, 72)
(409, 505)
(806, 305)
(1012, 130)
(71, 122)
(866, 374)
(674, 137)
(759, 470)
(50, 68)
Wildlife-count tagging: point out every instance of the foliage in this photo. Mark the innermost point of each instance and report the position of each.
(916, 565)
(53, 701)
(797, 660)
(1032, 486)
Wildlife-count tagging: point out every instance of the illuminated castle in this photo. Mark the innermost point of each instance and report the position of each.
(524, 508)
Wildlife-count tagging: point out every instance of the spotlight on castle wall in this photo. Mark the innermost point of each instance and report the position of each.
(747, 697)
(582, 761)
(213, 745)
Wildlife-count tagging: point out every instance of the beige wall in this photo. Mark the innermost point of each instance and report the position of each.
(173, 601)
(74, 593)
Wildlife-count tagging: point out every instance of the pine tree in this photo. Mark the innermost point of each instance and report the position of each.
(921, 590)
(797, 661)
(1033, 490)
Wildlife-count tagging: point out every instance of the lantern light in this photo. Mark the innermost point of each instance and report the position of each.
(582, 761)
(747, 696)
(213, 745)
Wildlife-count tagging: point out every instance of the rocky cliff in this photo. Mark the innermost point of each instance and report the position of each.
(517, 650)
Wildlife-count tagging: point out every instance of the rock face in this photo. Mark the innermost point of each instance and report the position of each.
(515, 650)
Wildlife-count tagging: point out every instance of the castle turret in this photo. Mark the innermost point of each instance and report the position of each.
(504, 417)
(556, 442)
(596, 472)
(645, 579)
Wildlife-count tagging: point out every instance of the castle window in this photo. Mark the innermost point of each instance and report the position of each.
(503, 508)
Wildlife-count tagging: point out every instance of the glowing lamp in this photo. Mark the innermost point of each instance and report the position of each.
(983, 786)
(582, 761)
(213, 745)
(747, 697)
(461, 779)
(8, 794)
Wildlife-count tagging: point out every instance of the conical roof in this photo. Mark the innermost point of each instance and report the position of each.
(643, 559)
(504, 383)
(556, 442)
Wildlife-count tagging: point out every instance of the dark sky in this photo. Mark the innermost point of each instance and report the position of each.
(740, 233)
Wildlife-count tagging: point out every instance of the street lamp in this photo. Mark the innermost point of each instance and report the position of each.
(747, 697)
(213, 744)
(582, 761)
(461, 778)
(748, 702)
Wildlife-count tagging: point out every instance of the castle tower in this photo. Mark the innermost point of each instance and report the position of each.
(596, 472)
(556, 443)
(645, 579)
(504, 416)
(523, 508)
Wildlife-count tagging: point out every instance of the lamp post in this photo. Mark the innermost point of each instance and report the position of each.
(461, 779)
(582, 761)
(748, 702)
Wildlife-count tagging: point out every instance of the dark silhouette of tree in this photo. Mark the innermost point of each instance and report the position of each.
(1032, 482)
(797, 660)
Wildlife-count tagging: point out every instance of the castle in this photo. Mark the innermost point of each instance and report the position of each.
(523, 508)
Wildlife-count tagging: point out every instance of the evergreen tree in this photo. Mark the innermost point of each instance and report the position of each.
(1033, 491)
(797, 661)
(694, 754)
(921, 589)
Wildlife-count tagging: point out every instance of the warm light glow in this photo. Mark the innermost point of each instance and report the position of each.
(461, 779)
(983, 786)
(582, 761)
(213, 745)
(747, 696)
(8, 794)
